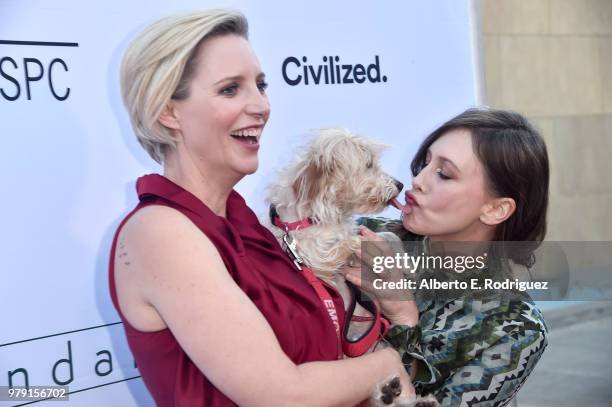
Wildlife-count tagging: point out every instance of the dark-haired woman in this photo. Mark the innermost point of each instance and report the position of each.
(481, 177)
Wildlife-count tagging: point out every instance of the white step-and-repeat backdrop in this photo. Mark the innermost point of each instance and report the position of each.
(70, 160)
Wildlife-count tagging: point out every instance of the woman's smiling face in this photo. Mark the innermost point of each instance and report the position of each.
(222, 119)
(450, 192)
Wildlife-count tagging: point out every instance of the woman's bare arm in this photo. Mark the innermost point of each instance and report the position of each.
(180, 274)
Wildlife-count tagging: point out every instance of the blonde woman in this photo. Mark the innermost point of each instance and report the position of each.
(214, 312)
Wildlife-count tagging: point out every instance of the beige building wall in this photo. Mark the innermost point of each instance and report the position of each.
(552, 61)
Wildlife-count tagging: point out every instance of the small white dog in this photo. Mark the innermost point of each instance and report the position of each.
(335, 177)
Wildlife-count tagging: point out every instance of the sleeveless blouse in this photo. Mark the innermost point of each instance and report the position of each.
(261, 269)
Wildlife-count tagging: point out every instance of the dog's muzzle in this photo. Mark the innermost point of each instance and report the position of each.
(398, 184)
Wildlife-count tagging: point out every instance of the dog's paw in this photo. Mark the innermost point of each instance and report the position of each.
(390, 390)
(389, 395)
(386, 393)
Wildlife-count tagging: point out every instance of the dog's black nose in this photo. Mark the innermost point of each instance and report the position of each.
(398, 184)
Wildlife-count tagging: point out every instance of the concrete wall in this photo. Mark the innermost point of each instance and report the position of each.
(552, 61)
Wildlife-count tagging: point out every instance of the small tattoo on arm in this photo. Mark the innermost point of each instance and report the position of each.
(123, 254)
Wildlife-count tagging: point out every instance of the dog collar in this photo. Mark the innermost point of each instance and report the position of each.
(287, 226)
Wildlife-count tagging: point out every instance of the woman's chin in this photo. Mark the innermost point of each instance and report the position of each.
(247, 168)
(411, 226)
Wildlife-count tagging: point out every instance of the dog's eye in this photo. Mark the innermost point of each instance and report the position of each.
(369, 165)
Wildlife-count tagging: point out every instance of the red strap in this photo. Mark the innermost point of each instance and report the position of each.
(300, 224)
(352, 349)
(327, 301)
(378, 330)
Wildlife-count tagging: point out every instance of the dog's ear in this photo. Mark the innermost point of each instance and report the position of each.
(308, 181)
(330, 148)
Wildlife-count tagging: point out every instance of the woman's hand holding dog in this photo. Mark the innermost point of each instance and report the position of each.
(397, 305)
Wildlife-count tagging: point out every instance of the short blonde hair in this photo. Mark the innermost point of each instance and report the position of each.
(159, 64)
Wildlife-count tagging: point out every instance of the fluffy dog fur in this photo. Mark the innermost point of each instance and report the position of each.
(335, 177)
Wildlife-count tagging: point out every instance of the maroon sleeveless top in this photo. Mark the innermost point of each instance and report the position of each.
(262, 270)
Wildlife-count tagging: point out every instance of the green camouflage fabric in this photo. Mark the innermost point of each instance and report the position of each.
(472, 352)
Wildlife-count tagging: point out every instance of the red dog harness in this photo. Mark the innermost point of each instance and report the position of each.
(377, 330)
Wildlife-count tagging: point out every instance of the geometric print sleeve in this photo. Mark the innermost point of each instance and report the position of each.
(493, 378)
(407, 343)
(490, 366)
(472, 352)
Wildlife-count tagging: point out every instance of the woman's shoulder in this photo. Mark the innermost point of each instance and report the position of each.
(144, 244)
(159, 232)
(151, 220)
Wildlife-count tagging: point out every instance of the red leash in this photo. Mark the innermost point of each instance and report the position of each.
(327, 301)
(375, 333)
(350, 348)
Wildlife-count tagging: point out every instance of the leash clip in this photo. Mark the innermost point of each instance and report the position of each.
(290, 247)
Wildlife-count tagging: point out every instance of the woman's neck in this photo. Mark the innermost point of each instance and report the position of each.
(477, 232)
(209, 186)
(455, 248)
(471, 242)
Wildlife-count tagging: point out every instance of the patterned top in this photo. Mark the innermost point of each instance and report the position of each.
(472, 352)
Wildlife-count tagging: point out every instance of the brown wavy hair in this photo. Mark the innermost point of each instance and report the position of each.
(515, 160)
